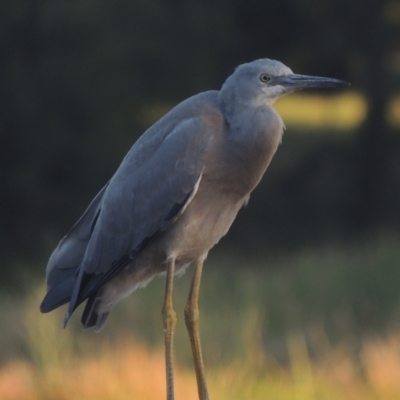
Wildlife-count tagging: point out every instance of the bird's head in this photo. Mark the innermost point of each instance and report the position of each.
(261, 82)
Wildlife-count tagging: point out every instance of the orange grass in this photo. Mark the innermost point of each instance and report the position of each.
(128, 370)
(71, 364)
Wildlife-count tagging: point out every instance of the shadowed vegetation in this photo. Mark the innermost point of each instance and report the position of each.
(318, 325)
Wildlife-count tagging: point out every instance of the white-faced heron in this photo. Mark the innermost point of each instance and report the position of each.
(174, 196)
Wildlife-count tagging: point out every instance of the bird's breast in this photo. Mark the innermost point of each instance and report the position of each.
(234, 166)
(204, 222)
(245, 150)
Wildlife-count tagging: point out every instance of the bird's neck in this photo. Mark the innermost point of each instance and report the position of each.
(232, 105)
(237, 108)
(251, 141)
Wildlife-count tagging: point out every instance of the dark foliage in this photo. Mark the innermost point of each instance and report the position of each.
(77, 76)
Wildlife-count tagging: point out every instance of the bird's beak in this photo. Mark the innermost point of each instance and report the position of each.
(295, 82)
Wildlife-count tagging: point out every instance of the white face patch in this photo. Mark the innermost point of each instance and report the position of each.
(269, 95)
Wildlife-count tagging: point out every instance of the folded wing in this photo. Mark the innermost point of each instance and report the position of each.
(151, 187)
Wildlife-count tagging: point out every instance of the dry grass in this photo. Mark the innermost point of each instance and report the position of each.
(70, 364)
(125, 369)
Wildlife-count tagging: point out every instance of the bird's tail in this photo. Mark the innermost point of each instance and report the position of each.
(59, 293)
(92, 316)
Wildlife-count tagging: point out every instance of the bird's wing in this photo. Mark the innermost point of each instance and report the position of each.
(72, 246)
(63, 264)
(150, 188)
(144, 199)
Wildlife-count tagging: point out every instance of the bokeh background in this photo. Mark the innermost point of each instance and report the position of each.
(302, 299)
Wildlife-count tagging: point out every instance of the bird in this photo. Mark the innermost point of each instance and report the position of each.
(173, 197)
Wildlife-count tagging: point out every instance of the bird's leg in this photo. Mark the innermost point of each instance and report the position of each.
(192, 325)
(169, 318)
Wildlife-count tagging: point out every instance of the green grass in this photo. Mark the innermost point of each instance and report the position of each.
(344, 293)
(315, 325)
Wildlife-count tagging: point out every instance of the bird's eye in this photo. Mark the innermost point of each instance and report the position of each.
(265, 78)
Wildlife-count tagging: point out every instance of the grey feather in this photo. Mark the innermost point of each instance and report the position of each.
(155, 178)
(177, 191)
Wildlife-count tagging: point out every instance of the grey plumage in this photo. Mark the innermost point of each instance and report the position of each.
(175, 194)
(129, 210)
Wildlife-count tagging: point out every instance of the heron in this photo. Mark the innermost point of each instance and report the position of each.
(173, 197)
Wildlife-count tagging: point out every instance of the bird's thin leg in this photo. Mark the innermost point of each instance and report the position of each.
(169, 319)
(192, 325)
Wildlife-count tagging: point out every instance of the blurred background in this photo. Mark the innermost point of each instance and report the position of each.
(302, 299)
